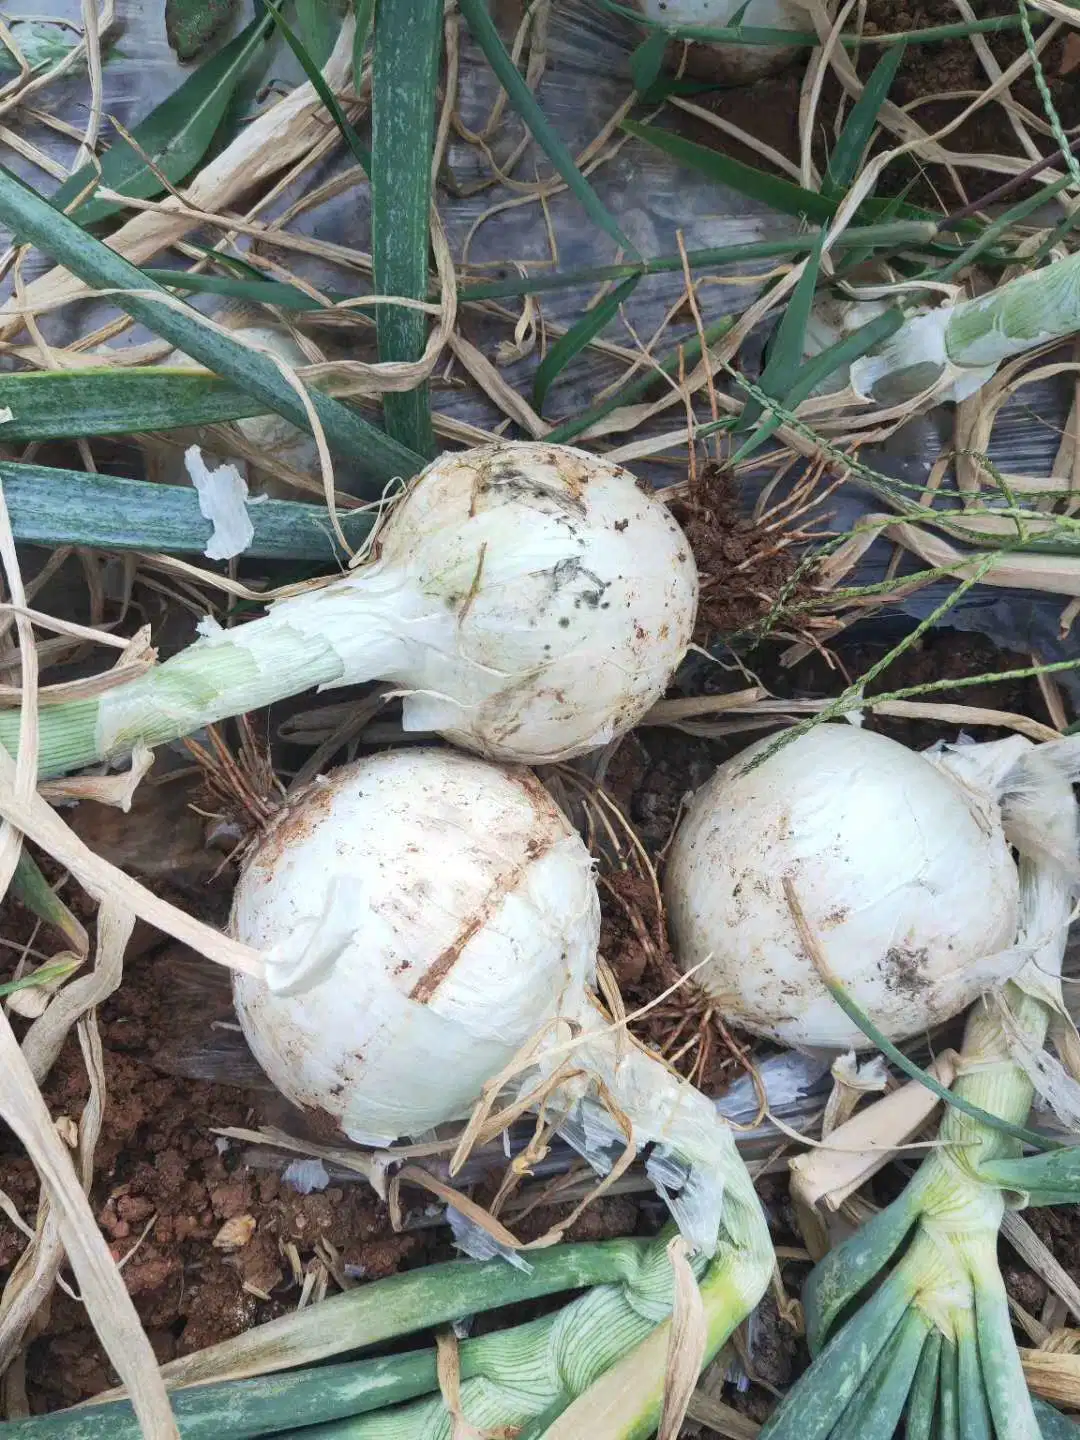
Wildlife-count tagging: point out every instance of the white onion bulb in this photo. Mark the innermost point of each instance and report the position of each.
(425, 916)
(547, 599)
(717, 60)
(438, 911)
(528, 601)
(903, 870)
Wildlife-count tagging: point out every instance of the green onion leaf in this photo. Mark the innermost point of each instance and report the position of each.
(858, 131)
(770, 190)
(482, 28)
(785, 351)
(66, 404)
(255, 292)
(853, 1011)
(811, 1410)
(1052, 1423)
(364, 11)
(922, 1402)
(67, 507)
(949, 1394)
(1048, 1179)
(35, 892)
(317, 23)
(971, 1388)
(319, 85)
(405, 73)
(42, 976)
(879, 1404)
(29, 215)
(816, 371)
(845, 1271)
(174, 137)
(580, 334)
(647, 59)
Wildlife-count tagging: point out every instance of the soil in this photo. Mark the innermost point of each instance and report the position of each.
(166, 1186)
(768, 109)
(745, 574)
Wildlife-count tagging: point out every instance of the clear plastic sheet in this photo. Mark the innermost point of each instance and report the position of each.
(1026, 435)
(585, 81)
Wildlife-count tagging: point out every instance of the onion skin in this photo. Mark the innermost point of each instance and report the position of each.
(554, 598)
(727, 63)
(905, 877)
(418, 903)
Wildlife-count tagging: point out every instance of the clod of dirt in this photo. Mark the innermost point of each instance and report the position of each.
(743, 568)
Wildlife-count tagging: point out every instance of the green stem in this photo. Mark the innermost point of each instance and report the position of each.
(342, 633)
(895, 235)
(405, 70)
(408, 1302)
(630, 1285)
(626, 1401)
(32, 218)
(513, 1376)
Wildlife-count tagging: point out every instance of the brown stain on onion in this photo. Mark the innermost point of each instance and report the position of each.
(505, 884)
(297, 821)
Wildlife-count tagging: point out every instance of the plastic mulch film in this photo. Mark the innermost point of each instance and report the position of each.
(581, 57)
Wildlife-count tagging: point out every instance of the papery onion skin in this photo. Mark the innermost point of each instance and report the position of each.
(445, 909)
(717, 60)
(905, 877)
(540, 649)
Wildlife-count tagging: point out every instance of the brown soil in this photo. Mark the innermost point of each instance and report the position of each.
(745, 573)
(165, 1187)
(768, 109)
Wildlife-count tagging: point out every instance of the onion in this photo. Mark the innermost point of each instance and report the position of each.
(901, 865)
(718, 60)
(427, 915)
(531, 601)
(438, 911)
(547, 598)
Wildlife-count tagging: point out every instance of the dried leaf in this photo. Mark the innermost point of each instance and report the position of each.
(687, 1341)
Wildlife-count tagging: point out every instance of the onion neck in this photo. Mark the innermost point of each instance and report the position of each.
(344, 633)
(694, 1165)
